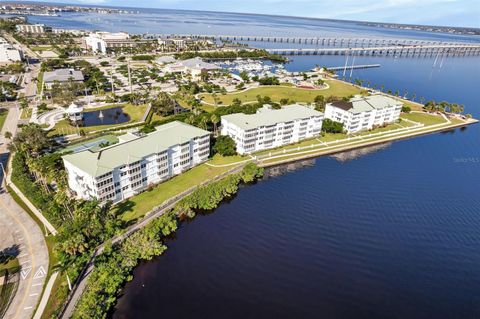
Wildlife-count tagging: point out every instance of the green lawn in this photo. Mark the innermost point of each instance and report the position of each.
(42, 48)
(337, 88)
(137, 206)
(425, 118)
(12, 266)
(39, 82)
(3, 117)
(135, 112)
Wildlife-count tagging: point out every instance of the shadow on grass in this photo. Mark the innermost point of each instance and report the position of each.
(123, 208)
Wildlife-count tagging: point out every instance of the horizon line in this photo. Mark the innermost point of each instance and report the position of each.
(242, 13)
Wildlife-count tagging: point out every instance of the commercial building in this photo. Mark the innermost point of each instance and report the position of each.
(33, 28)
(194, 66)
(61, 75)
(99, 42)
(270, 128)
(8, 53)
(136, 162)
(364, 112)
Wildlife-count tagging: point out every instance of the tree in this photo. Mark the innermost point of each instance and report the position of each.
(214, 119)
(163, 105)
(330, 126)
(8, 135)
(225, 146)
(65, 93)
(215, 99)
(32, 139)
(244, 76)
(320, 103)
(236, 102)
(406, 109)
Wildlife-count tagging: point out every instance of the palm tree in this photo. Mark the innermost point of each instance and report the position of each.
(214, 119)
(215, 99)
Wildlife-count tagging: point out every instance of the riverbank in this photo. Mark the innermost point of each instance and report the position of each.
(301, 154)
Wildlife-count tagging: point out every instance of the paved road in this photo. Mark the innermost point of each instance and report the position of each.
(17, 225)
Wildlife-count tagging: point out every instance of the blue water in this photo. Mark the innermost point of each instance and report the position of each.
(394, 233)
(110, 116)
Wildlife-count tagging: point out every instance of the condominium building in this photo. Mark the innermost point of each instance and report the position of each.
(136, 162)
(270, 128)
(99, 42)
(8, 53)
(33, 28)
(364, 112)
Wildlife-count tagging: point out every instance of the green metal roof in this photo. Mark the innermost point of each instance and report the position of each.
(105, 160)
(271, 117)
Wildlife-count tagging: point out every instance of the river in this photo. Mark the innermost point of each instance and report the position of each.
(388, 232)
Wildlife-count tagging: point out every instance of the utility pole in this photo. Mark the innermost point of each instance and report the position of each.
(129, 77)
(111, 80)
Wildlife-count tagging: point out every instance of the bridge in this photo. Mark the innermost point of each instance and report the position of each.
(396, 50)
(316, 41)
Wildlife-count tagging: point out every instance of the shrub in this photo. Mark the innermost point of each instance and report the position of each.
(406, 109)
(330, 126)
(225, 146)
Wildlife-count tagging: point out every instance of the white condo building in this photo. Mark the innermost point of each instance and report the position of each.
(33, 28)
(100, 41)
(136, 162)
(364, 112)
(270, 128)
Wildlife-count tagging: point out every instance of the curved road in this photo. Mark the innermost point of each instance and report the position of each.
(16, 225)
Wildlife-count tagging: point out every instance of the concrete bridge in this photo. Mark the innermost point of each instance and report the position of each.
(317, 41)
(431, 50)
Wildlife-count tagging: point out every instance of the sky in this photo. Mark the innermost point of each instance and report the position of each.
(464, 13)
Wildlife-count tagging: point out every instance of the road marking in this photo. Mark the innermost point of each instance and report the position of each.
(31, 295)
(23, 255)
(40, 273)
(14, 216)
(26, 308)
(37, 285)
(25, 271)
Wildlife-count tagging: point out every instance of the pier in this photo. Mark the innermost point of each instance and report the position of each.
(354, 67)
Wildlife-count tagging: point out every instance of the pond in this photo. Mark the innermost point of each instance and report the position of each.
(114, 115)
